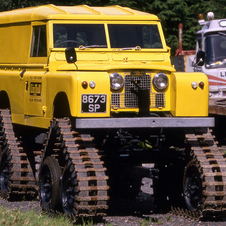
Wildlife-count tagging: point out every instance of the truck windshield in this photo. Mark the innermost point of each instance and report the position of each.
(123, 36)
(75, 35)
(132, 35)
(215, 48)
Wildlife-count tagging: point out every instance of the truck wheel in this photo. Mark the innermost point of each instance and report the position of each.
(69, 191)
(5, 174)
(192, 187)
(49, 184)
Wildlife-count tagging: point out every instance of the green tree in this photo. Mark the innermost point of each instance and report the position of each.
(171, 13)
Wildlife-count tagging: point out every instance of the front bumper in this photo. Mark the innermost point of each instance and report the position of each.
(144, 122)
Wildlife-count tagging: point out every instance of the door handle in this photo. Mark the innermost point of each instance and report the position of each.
(22, 74)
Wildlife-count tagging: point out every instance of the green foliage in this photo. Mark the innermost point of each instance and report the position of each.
(171, 13)
(150, 221)
(168, 218)
(31, 218)
(146, 145)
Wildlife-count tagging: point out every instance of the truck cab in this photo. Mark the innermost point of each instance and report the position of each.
(211, 40)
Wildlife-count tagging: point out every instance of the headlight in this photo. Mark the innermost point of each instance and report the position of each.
(116, 81)
(160, 81)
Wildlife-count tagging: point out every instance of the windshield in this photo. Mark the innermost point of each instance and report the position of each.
(215, 48)
(131, 35)
(76, 35)
(122, 36)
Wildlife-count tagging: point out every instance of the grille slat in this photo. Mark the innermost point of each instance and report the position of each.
(129, 99)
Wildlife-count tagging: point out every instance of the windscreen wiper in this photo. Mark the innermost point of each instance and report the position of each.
(92, 46)
(129, 48)
(221, 33)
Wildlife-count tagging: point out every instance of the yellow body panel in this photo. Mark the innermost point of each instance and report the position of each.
(33, 78)
(82, 12)
(190, 101)
(10, 44)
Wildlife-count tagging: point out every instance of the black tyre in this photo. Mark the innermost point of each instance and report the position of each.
(69, 189)
(49, 184)
(5, 174)
(192, 187)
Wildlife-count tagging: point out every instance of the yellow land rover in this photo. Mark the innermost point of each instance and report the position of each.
(87, 95)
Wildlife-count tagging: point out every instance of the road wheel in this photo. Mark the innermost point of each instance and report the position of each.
(69, 190)
(49, 184)
(192, 187)
(5, 174)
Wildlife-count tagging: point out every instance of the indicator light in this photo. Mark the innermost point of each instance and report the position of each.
(210, 15)
(194, 85)
(84, 84)
(201, 16)
(201, 85)
(92, 84)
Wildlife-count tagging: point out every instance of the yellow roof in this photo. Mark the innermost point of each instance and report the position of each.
(81, 12)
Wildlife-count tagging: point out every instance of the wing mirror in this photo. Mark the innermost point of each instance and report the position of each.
(71, 56)
(200, 58)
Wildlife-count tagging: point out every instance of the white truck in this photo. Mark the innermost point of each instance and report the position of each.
(209, 58)
(211, 54)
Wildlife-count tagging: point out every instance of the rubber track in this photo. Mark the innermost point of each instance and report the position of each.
(78, 151)
(211, 163)
(21, 179)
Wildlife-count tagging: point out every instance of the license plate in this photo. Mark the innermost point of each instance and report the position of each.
(94, 103)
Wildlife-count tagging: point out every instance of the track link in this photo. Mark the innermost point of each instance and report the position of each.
(16, 173)
(210, 161)
(78, 153)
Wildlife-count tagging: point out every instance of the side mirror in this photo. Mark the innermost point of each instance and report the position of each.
(71, 56)
(200, 58)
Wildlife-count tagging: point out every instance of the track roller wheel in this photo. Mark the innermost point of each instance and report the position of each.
(69, 190)
(5, 174)
(192, 187)
(49, 184)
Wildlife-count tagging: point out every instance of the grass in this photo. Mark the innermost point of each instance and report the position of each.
(149, 221)
(31, 218)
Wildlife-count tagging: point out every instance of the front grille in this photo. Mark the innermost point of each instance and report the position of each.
(129, 99)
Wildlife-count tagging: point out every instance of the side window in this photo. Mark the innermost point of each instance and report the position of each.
(38, 44)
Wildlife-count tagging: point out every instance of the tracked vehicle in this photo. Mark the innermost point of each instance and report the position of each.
(87, 95)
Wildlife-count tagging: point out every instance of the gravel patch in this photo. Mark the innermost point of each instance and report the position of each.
(137, 212)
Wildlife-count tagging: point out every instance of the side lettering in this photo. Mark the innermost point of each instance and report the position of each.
(35, 89)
